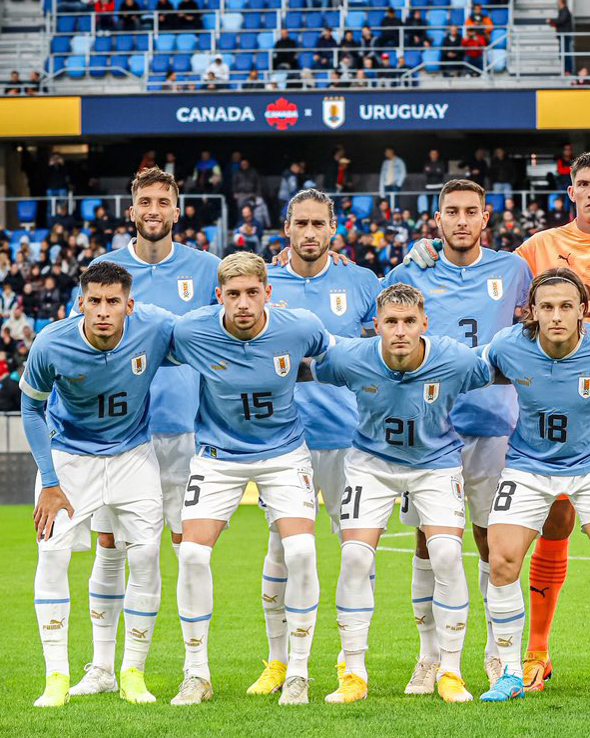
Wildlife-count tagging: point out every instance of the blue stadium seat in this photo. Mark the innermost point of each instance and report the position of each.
(227, 42)
(142, 42)
(66, 24)
(119, 65)
(313, 19)
(98, 65)
(41, 323)
(165, 42)
(436, 17)
(208, 21)
(497, 60)
(244, 62)
(41, 234)
(270, 19)
(27, 211)
(457, 17)
(204, 42)
(124, 43)
(181, 63)
(293, 19)
(412, 58)
(137, 65)
(186, 42)
(498, 38)
(309, 39)
(60, 45)
(84, 24)
(252, 21)
(266, 40)
(332, 18)
(232, 22)
(354, 19)
(499, 17)
(160, 63)
(261, 61)
(248, 41)
(431, 59)
(76, 66)
(436, 36)
(81, 45)
(306, 60)
(362, 206)
(102, 44)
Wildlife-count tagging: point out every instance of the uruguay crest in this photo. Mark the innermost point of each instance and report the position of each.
(431, 391)
(139, 364)
(584, 387)
(333, 111)
(338, 302)
(186, 289)
(282, 364)
(495, 288)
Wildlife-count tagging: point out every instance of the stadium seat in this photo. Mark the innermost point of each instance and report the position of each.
(362, 206)
(498, 38)
(436, 17)
(181, 63)
(84, 24)
(412, 58)
(98, 65)
(124, 44)
(76, 67)
(60, 45)
(186, 42)
(293, 20)
(160, 63)
(332, 18)
(165, 42)
(81, 45)
(208, 21)
(227, 42)
(431, 59)
(253, 21)
(205, 41)
(66, 24)
(499, 17)
(497, 60)
(103, 44)
(244, 62)
(119, 65)
(199, 62)
(142, 42)
(232, 22)
(309, 39)
(354, 19)
(496, 200)
(266, 40)
(248, 41)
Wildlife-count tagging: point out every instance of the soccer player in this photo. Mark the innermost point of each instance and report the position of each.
(248, 430)
(94, 449)
(405, 385)
(472, 294)
(343, 297)
(179, 279)
(547, 359)
(567, 245)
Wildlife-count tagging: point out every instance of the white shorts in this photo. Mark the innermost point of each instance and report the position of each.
(373, 484)
(328, 478)
(285, 487)
(483, 460)
(525, 499)
(126, 486)
(174, 453)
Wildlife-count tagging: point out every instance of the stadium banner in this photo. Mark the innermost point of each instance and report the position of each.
(40, 116)
(305, 112)
(563, 109)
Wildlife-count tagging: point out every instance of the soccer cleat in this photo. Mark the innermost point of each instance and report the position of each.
(193, 691)
(493, 669)
(508, 687)
(452, 688)
(95, 681)
(271, 680)
(295, 691)
(536, 669)
(340, 669)
(133, 687)
(352, 688)
(57, 691)
(423, 677)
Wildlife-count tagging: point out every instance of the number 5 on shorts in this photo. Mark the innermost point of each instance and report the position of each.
(503, 498)
(194, 488)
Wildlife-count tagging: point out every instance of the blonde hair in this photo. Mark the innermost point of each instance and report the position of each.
(400, 294)
(242, 264)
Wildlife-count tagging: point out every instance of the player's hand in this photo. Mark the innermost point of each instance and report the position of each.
(51, 501)
(424, 253)
(282, 258)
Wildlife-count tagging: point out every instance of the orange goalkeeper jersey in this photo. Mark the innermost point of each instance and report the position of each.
(566, 246)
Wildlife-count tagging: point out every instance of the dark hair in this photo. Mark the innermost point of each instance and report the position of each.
(581, 162)
(153, 175)
(106, 272)
(530, 326)
(461, 185)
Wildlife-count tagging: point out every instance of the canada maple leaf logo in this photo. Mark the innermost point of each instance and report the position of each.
(281, 114)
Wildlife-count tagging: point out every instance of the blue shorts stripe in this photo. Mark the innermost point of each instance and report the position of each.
(421, 599)
(274, 579)
(354, 609)
(107, 597)
(507, 620)
(143, 614)
(301, 611)
(51, 602)
(197, 619)
(450, 607)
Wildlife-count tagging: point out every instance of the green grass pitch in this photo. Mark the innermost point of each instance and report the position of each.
(237, 647)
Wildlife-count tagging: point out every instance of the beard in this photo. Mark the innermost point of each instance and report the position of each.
(154, 236)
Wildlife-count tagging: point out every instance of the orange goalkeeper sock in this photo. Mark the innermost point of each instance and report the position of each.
(546, 576)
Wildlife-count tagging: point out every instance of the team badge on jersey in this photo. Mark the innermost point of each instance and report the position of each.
(338, 302)
(186, 289)
(584, 387)
(139, 364)
(431, 391)
(282, 365)
(495, 288)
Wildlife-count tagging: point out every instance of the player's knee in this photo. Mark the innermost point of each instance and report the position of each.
(421, 547)
(445, 553)
(106, 540)
(300, 555)
(276, 552)
(357, 559)
(194, 558)
(560, 522)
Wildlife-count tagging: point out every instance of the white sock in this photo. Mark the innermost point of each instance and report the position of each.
(450, 603)
(195, 606)
(422, 590)
(52, 605)
(355, 604)
(301, 599)
(141, 604)
(176, 548)
(106, 592)
(484, 577)
(274, 584)
(506, 607)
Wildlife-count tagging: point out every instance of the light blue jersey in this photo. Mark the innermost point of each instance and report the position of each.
(404, 417)
(247, 411)
(343, 297)
(552, 435)
(100, 403)
(471, 304)
(184, 281)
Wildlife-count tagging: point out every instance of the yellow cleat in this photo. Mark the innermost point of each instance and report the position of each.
(133, 687)
(271, 680)
(57, 691)
(452, 688)
(340, 669)
(351, 689)
(536, 669)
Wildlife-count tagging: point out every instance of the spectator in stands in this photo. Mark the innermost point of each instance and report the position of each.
(14, 87)
(188, 18)
(10, 390)
(129, 15)
(284, 56)
(253, 82)
(415, 34)
(8, 300)
(49, 300)
(393, 173)
(167, 19)
(563, 25)
(452, 54)
(250, 229)
(207, 174)
(323, 58)
(502, 173)
(583, 78)
(246, 183)
(476, 168)
(289, 184)
(473, 45)
(57, 177)
(434, 170)
(563, 167)
(480, 22)
(390, 34)
(368, 43)
(105, 19)
(220, 71)
(557, 215)
(533, 219)
(16, 323)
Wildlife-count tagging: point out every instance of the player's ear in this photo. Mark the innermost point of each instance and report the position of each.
(219, 295)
